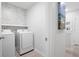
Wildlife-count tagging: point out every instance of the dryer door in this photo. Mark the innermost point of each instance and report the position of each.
(27, 40)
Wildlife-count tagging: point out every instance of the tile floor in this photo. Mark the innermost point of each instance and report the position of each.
(68, 53)
(72, 52)
(30, 54)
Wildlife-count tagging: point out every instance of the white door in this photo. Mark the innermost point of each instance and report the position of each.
(29, 40)
(0, 33)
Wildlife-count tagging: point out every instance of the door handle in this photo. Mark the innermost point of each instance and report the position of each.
(1, 38)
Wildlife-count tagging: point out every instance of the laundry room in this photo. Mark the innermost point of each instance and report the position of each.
(25, 28)
(30, 29)
(39, 29)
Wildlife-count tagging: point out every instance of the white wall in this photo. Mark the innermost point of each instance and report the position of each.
(12, 15)
(37, 21)
(73, 17)
(0, 33)
(41, 19)
(0, 15)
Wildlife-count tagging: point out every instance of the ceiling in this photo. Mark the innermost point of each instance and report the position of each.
(70, 6)
(24, 5)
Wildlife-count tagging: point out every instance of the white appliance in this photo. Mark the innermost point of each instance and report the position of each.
(24, 41)
(8, 44)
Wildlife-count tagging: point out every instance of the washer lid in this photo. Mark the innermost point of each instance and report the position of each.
(19, 30)
(7, 31)
(22, 30)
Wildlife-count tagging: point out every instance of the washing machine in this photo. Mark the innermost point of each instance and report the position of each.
(8, 43)
(24, 41)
